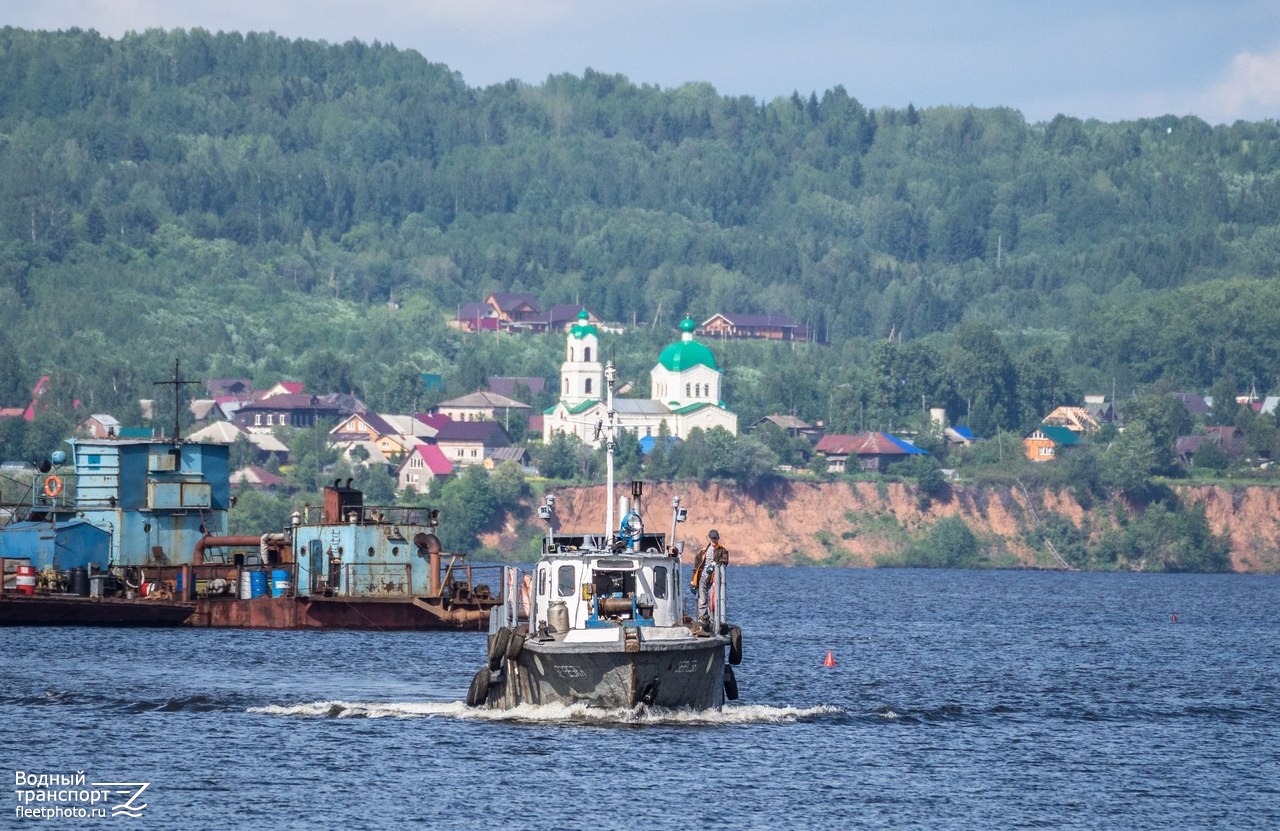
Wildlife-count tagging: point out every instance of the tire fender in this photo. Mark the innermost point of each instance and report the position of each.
(478, 693)
(498, 648)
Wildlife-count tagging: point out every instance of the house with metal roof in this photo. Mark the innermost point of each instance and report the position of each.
(867, 451)
(284, 410)
(763, 326)
(470, 442)
(101, 426)
(483, 405)
(789, 424)
(423, 469)
(1043, 443)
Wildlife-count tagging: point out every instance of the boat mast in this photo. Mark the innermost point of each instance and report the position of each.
(610, 444)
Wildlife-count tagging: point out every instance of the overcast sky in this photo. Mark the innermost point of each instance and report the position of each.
(1217, 59)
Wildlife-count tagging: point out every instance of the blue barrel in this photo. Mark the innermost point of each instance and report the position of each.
(257, 584)
(279, 583)
(178, 586)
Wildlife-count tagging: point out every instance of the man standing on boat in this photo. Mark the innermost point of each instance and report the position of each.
(704, 567)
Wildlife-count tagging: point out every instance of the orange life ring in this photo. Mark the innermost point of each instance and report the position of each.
(52, 485)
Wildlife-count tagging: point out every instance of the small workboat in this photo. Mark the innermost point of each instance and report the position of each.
(599, 620)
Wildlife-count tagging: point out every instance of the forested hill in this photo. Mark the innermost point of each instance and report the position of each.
(250, 202)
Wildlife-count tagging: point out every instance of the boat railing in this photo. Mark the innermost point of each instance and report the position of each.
(462, 582)
(517, 597)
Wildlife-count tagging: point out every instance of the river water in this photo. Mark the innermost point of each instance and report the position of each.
(965, 700)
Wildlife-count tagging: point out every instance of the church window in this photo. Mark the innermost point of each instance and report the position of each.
(586, 354)
(686, 390)
(586, 387)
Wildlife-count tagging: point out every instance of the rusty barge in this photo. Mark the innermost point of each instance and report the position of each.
(131, 532)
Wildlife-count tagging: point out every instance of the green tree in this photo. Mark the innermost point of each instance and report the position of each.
(467, 507)
(950, 543)
(558, 458)
(1131, 461)
(1165, 419)
(1223, 393)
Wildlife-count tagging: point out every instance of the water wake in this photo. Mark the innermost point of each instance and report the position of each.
(550, 713)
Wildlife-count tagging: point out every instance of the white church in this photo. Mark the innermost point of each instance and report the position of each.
(685, 385)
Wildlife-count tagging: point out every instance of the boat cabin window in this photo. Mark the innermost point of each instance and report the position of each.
(564, 580)
(542, 582)
(610, 583)
(660, 581)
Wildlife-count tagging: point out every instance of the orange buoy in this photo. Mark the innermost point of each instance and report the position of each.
(830, 660)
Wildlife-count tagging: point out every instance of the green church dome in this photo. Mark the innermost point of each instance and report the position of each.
(687, 353)
(582, 328)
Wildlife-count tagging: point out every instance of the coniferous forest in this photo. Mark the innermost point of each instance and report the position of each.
(275, 208)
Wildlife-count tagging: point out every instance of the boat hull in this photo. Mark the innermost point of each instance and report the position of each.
(687, 673)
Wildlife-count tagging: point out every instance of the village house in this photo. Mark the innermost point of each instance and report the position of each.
(391, 435)
(228, 386)
(510, 385)
(1228, 439)
(1043, 443)
(498, 455)
(789, 424)
(258, 478)
(868, 452)
(1075, 419)
(423, 469)
(766, 327)
(226, 432)
(101, 426)
(470, 442)
(958, 435)
(483, 405)
(284, 410)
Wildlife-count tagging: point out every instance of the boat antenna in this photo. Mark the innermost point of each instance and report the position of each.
(176, 383)
(610, 444)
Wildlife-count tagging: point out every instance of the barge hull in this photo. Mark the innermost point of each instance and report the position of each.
(332, 613)
(52, 610)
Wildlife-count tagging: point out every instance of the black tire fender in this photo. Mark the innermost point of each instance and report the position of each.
(478, 692)
(730, 684)
(498, 648)
(515, 645)
(735, 645)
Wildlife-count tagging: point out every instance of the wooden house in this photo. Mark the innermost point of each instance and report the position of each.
(1043, 443)
(869, 452)
(766, 327)
(284, 410)
(1075, 419)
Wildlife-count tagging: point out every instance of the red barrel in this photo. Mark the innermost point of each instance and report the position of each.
(147, 589)
(27, 579)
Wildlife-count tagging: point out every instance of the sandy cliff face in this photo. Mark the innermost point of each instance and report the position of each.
(794, 522)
